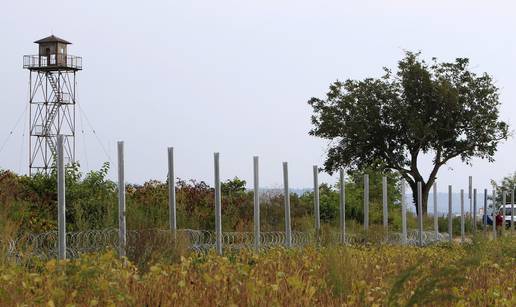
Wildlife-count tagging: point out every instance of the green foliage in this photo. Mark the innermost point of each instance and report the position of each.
(235, 185)
(92, 203)
(31, 200)
(29, 204)
(329, 197)
(507, 185)
(92, 199)
(388, 122)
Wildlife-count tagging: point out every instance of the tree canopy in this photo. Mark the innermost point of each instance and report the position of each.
(438, 108)
(507, 185)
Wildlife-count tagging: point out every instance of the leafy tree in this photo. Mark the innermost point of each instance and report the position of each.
(443, 109)
(235, 185)
(507, 185)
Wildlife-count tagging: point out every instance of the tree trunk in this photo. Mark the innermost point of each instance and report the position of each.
(426, 190)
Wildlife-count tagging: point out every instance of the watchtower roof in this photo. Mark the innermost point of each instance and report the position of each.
(52, 39)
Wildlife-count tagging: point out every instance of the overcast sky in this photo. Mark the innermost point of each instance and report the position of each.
(235, 76)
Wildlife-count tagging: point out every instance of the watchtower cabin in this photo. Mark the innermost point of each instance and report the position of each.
(53, 53)
(52, 100)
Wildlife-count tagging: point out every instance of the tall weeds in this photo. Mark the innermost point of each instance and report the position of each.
(479, 274)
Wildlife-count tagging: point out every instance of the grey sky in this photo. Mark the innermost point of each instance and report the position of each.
(234, 76)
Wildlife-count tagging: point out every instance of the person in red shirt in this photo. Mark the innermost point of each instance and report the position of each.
(499, 219)
(499, 223)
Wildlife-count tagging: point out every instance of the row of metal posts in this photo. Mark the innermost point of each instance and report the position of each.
(342, 205)
(288, 226)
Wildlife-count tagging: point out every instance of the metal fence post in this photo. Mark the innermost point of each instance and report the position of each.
(450, 222)
(470, 195)
(342, 207)
(288, 226)
(493, 202)
(218, 209)
(403, 214)
(462, 215)
(172, 192)
(504, 201)
(122, 231)
(436, 215)
(475, 211)
(420, 211)
(61, 199)
(384, 201)
(256, 204)
(512, 211)
(366, 202)
(484, 217)
(316, 202)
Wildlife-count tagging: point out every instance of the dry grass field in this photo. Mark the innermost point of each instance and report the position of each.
(481, 273)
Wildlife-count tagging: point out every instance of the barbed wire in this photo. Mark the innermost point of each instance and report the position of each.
(44, 245)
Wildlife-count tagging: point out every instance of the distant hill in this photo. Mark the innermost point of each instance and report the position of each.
(442, 203)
